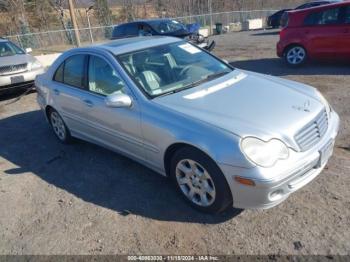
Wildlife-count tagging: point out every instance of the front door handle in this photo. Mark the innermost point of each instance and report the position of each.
(346, 31)
(56, 92)
(88, 103)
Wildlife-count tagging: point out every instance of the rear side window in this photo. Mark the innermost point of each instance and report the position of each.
(347, 15)
(118, 31)
(71, 71)
(59, 74)
(327, 17)
(132, 29)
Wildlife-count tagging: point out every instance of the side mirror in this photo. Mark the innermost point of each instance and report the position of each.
(118, 100)
(29, 50)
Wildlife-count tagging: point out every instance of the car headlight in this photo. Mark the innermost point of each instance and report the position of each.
(35, 65)
(262, 153)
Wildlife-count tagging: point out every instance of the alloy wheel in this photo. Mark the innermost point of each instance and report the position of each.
(296, 55)
(195, 183)
(58, 125)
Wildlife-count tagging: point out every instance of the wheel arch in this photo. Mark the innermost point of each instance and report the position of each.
(173, 148)
(48, 109)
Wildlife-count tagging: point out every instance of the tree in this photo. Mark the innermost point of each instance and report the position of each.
(103, 15)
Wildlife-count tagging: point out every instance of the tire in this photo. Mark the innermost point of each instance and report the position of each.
(295, 56)
(206, 189)
(59, 127)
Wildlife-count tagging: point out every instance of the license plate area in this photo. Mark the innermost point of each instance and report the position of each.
(17, 79)
(325, 153)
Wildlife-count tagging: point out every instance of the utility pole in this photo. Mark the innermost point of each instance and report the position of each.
(88, 19)
(74, 22)
(210, 8)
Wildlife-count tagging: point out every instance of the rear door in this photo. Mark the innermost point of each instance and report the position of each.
(68, 91)
(322, 31)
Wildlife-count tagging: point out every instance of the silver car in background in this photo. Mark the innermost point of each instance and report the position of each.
(225, 137)
(18, 69)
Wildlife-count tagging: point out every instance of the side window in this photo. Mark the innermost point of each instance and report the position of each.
(118, 31)
(347, 15)
(132, 29)
(327, 17)
(144, 30)
(59, 74)
(103, 79)
(74, 71)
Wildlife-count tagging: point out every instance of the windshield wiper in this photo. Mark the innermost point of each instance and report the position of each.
(197, 83)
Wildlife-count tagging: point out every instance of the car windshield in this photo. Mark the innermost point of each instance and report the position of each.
(172, 68)
(166, 27)
(9, 49)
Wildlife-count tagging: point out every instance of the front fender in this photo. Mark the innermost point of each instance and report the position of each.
(163, 128)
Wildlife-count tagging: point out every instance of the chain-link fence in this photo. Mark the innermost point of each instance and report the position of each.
(60, 40)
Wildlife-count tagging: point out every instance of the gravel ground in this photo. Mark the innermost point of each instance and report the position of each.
(83, 199)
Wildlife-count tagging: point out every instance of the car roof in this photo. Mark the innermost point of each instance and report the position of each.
(335, 3)
(126, 45)
(145, 21)
(3, 40)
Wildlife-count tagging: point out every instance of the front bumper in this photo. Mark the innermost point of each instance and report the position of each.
(18, 80)
(281, 180)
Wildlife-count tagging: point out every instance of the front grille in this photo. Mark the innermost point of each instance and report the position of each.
(5, 70)
(312, 132)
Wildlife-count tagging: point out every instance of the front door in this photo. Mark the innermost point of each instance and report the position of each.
(117, 128)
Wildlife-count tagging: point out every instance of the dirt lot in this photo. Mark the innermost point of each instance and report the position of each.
(83, 199)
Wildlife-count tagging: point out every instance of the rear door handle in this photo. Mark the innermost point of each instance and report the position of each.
(88, 103)
(346, 31)
(56, 92)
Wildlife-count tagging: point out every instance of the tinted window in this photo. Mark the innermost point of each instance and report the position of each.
(74, 71)
(347, 15)
(59, 74)
(102, 78)
(327, 17)
(118, 30)
(132, 29)
(144, 30)
(166, 26)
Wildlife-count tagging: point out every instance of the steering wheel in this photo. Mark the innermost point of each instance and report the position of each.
(185, 69)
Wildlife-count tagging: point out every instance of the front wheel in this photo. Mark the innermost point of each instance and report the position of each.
(295, 56)
(200, 181)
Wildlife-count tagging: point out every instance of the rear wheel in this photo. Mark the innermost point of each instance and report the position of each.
(200, 181)
(295, 56)
(59, 127)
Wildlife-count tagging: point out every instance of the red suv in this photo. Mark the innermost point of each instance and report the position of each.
(316, 33)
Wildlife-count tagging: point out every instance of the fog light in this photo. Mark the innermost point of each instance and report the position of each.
(275, 195)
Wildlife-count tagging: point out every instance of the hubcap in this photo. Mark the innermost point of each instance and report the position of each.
(195, 182)
(296, 55)
(58, 125)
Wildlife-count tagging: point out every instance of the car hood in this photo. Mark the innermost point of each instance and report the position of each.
(16, 59)
(249, 104)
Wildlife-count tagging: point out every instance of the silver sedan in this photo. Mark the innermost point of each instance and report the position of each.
(225, 137)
